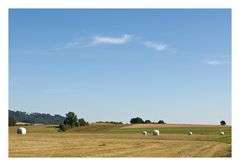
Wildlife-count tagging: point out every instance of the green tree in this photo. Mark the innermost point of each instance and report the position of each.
(11, 121)
(136, 120)
(71, 119)
(147, 121)
(161, 122)
(223, 123)
(82, 122)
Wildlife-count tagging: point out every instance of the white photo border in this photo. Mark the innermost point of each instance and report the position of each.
(5, 5)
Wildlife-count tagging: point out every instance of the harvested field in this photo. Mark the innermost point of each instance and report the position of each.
(46, 141)
(97, 128)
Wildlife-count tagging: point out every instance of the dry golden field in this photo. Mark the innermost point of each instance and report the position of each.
(119, 141)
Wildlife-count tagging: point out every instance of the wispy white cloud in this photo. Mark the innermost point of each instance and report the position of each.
(111, 40)
(155, 45)
(68, 45)
(217, 61)
(213, 62)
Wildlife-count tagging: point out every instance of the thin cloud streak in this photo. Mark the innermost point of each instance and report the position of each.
(155, 45)
(111, 40)
(68, 45)
(217, 61)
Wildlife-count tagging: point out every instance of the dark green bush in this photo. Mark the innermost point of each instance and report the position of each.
(147, 121)
(82, 122)
(136, 120)
(223, 123)
(161, 122)
(64, 127)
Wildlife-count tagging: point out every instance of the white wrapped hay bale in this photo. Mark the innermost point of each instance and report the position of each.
(221, 133)
(155, 132)
(189, 133)
(21, 130)
(144, 132)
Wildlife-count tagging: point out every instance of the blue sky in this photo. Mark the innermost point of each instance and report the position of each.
(157, 64)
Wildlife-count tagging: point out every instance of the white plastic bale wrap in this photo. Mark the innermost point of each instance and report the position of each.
(144, 132)
(155, 132)
(21, 130)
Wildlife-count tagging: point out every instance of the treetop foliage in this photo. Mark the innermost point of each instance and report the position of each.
(36, 117)
(139, 120)
(223, 123)
(72, 121)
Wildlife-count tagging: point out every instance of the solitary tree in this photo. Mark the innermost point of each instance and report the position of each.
(71, 119)
(136, 120)
(161, 122)
(223, 123)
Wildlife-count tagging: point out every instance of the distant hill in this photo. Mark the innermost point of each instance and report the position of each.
(36, 117)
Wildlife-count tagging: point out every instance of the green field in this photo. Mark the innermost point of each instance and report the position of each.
(109, 140)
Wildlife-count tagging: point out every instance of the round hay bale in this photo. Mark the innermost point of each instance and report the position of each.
(221, 133)
(21, 130)
(144, 132)
(155, 132)
(189, 133)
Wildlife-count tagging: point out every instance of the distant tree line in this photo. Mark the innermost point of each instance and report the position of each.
(72, 121)
(67, 122)
(139, 120)
(112, 122)
(32, 118)
(11, 121)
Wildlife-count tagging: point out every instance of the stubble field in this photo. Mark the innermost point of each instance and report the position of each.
(108, 140)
